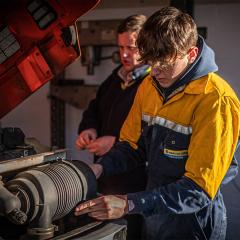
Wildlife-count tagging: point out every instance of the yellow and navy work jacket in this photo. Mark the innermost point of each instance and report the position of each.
(194, 140)
(188, 141)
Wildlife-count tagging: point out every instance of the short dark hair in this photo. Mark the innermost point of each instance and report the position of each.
(132, 23)
(166, 34)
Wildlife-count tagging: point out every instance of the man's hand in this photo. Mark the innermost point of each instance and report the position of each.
(105, 207)
(101, 145)
(86, 137)
(97, 169)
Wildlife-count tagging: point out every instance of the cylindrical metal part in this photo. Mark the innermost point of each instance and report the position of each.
(52, 189)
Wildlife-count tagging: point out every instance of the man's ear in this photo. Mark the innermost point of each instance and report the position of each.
(192, 54)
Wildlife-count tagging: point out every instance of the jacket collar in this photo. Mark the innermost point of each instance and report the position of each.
(138, 72)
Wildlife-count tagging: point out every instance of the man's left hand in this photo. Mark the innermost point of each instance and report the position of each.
(104, 207)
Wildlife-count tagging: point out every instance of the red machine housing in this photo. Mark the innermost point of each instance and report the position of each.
(34, 46)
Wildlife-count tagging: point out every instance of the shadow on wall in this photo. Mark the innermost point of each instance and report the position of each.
(231, 194)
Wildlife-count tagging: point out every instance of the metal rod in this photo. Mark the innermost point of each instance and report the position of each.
(33, 160)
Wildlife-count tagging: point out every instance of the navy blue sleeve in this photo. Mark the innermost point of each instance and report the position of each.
(180, 197)
(122, 158)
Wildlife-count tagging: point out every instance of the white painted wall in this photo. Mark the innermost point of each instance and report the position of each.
(32, 116)
(222, 22)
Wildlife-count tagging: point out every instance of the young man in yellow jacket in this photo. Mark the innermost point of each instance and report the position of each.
(185, 123)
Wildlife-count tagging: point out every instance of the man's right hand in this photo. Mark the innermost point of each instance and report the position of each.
(86, 137)
(104, 207)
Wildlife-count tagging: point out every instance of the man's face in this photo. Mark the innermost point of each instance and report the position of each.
(128, 51)
(167, 74)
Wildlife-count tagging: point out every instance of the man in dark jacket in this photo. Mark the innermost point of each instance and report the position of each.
(103, 119)
(105, 115)
(185, 120)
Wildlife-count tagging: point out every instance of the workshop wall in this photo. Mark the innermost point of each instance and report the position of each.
(222, 22)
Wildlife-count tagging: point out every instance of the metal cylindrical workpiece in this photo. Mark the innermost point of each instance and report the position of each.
(51, 191)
